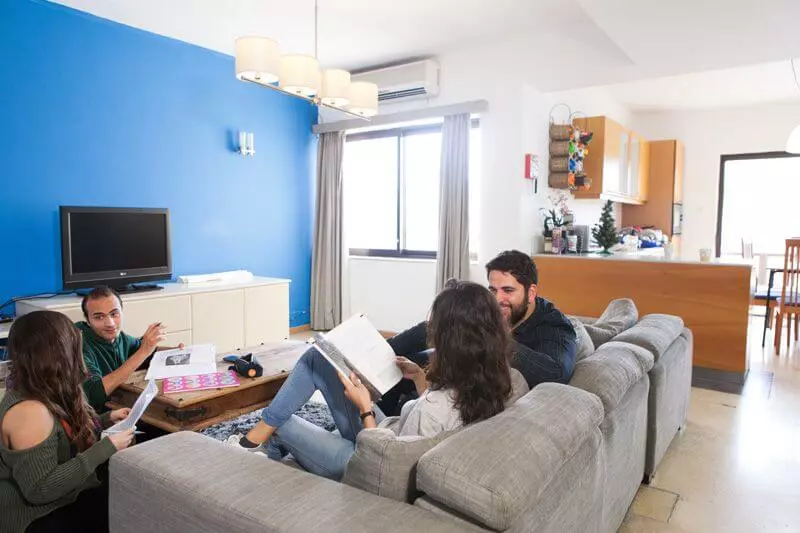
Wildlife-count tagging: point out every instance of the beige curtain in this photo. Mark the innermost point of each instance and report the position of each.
(452, 258)
(326, 257)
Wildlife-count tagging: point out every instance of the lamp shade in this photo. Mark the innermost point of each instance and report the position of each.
(257, 59)
(335, 83)
(300, 75)
(793, 144)
(363, 97)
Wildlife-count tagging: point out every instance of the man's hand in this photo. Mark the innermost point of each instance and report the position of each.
(153, 336)
(118, 415)
(412, 371)
(356, 392)
(409, 368)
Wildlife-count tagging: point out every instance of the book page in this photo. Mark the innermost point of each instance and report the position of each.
(332, 354)
(138, 409)
(366, 351)
(189, 361)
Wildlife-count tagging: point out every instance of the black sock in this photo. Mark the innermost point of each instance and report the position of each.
(244, 443)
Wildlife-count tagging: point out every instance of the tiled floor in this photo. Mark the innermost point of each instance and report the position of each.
(736, 466)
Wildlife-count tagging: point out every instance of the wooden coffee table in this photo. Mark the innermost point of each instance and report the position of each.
(195, 411)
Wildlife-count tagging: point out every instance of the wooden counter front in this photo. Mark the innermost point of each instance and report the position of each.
(712, 299)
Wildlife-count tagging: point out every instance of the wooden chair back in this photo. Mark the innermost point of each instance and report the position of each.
(790, 293)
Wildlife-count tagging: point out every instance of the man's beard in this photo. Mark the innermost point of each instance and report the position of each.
(518, 313)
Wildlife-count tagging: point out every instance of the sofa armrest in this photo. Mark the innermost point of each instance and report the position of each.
(386, 465)
(188, 482)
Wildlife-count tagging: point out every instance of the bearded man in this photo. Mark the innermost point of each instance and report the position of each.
(545, 339)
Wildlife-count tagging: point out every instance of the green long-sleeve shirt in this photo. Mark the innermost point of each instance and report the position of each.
(102, 358)
(38, 480)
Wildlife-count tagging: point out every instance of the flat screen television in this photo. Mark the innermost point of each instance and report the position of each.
(115, 246)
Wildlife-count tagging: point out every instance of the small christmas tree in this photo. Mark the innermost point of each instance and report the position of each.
(604, 233)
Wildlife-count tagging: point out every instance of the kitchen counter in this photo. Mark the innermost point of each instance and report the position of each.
(712, 298)
(648, 254)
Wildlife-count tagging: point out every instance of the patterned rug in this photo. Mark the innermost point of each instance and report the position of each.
(316, 413)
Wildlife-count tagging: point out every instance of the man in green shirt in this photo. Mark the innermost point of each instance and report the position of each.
(111, 355)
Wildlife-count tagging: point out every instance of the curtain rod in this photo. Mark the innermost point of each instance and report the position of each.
(475, 106)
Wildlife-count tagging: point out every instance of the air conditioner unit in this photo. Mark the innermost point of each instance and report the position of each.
(418, 79)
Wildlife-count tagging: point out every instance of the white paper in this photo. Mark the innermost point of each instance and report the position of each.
(138, 409)
(364, 350)
(190, 361)
(279, 357)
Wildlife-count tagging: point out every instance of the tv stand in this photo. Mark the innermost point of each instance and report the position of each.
(128, 289)
(228, 315)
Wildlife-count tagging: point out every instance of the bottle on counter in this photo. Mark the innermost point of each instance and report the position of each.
(572, 242)
(557, 241)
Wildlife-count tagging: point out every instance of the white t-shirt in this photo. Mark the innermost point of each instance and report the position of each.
(434, 412)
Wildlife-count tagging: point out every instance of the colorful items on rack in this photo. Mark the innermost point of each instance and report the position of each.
(568, 148)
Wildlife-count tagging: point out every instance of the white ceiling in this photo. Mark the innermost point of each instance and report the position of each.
(740, 86)
(559, 44)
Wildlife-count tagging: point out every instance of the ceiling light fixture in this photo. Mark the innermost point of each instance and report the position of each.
(793, 144)
(258, 60)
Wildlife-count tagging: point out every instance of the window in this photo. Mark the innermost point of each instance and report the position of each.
(757, 201)
(391, 191)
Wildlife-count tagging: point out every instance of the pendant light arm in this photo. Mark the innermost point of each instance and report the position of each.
(316, 27)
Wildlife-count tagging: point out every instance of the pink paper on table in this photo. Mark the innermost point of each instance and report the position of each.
(217, 380)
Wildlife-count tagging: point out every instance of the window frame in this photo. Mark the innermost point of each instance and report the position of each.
(721, 192)
(399, 133)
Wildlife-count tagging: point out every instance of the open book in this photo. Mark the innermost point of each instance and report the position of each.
(356, 346)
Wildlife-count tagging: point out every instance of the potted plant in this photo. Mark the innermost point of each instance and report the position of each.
(555, 218)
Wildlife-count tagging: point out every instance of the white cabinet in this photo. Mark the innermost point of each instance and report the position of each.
(173, 313)
(230, 316)
(264, 320)
(218, 317)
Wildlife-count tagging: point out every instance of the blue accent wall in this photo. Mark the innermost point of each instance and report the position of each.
(97, 113)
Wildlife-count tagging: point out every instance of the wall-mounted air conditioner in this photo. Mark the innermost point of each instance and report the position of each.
(418, 79)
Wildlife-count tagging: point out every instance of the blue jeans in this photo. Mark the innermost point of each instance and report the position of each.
(315, 449)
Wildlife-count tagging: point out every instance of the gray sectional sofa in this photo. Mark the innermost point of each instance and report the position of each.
(564, 458)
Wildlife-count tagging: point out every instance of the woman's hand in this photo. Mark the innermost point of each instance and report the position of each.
(122, 440)
(118, 415)
(412, 371)
(356, 392)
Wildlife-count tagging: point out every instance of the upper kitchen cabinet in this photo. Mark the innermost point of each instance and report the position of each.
(663, 209)
(617, 163)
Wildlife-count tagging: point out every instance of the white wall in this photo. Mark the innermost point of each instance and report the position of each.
(397, 293)
(707, 135)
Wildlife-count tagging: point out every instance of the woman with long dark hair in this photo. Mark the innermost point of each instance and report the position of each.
(49, 446)
(468, 380)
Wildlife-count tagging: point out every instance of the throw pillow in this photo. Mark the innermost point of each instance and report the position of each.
(620, 315)
(584, 346)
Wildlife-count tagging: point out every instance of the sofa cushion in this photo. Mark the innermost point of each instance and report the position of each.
(611, 370)
(654, 332)
(620, 315)
(386, 465)
(583, 342)
(188, 482)
(493, 470)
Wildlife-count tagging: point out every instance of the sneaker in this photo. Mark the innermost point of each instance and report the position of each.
(233, 440)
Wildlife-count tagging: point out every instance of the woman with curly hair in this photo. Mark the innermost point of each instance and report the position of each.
(468, 379)
(49, 446)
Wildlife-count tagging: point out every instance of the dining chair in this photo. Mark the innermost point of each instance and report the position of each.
(788, 305)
